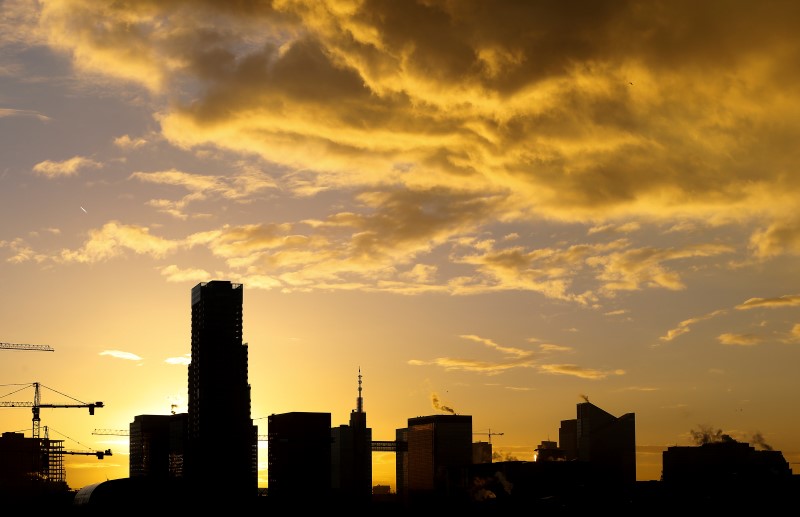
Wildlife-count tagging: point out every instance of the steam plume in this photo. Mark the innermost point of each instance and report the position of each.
(758, 440)
(707, 435)
(435, 402)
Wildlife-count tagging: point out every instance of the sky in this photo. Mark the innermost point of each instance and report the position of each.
(496, 209)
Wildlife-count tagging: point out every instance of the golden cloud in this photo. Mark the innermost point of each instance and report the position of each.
(787, 300)
(589, 116)
(740, 339)
(70, 167)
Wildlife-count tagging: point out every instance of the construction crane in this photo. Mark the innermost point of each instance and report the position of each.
(36, 405)
(123, 432)
(52, 454)
(19, 346)
(490, 434)
(99, 454)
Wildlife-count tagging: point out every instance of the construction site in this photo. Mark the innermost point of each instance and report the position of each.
(33, 467)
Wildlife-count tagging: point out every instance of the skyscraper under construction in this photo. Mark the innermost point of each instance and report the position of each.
(222, 447)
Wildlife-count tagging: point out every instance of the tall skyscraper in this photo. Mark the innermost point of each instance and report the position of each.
(222, 449)
(351, 456)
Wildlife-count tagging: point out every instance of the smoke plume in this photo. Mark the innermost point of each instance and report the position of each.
(708, 435)
(758, 441)
(440, 407)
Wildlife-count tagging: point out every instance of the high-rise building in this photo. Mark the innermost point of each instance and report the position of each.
(439, 454)
(605, 441)
(351, 456)
(157, 444)
(222, 446)
(299, 457)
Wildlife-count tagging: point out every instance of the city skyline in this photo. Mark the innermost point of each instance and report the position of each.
(490, 209)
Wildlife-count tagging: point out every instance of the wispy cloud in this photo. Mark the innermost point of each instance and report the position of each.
(5, 112)
(471, 365)
(113, 239)
(127, 143)
(70, 167)
(787, 300)
(181, 360)
(119, 354)
(685, 325)
(740, 339)
(522, 360)
(578, 371)
(518, 352)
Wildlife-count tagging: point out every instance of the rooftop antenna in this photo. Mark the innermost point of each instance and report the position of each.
(359, 400)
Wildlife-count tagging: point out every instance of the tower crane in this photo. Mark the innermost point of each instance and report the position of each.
(36, 405)
(123, 432)
(490, 434)
(20, 346)
(100, 454)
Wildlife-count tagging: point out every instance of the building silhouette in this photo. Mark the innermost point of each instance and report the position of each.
(299, 458)
(222, 442)
(727, 472)
(433, 465)
(481, 452)
(30, 468)
(599, 438)
(351, 457)
(156, 446)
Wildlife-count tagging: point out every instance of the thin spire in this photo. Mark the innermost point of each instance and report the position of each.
(359, 401)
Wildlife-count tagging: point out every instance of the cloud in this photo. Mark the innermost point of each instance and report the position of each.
(526, 101)
(549, 347)
(113, 239)
(470, 365)
(181, 360)
(628, 227)
(6, 112)
(795, 332)
(128, 143)
(518, 352)
(121, 355)
(70, 167)
(787, 300)
(241, 187)
(578, 371)
(192, 275)
(633, 269)
(779, 237)
(522, 360)
(740, 339)
(685, 325)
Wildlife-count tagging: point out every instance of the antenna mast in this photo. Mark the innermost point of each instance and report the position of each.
(359, 400)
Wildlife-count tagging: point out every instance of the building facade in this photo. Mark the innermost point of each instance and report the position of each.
(156, 446)
(222, 442)
(605, 441)
(439, 454)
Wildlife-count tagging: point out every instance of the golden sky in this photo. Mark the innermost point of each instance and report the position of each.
(493, 207)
